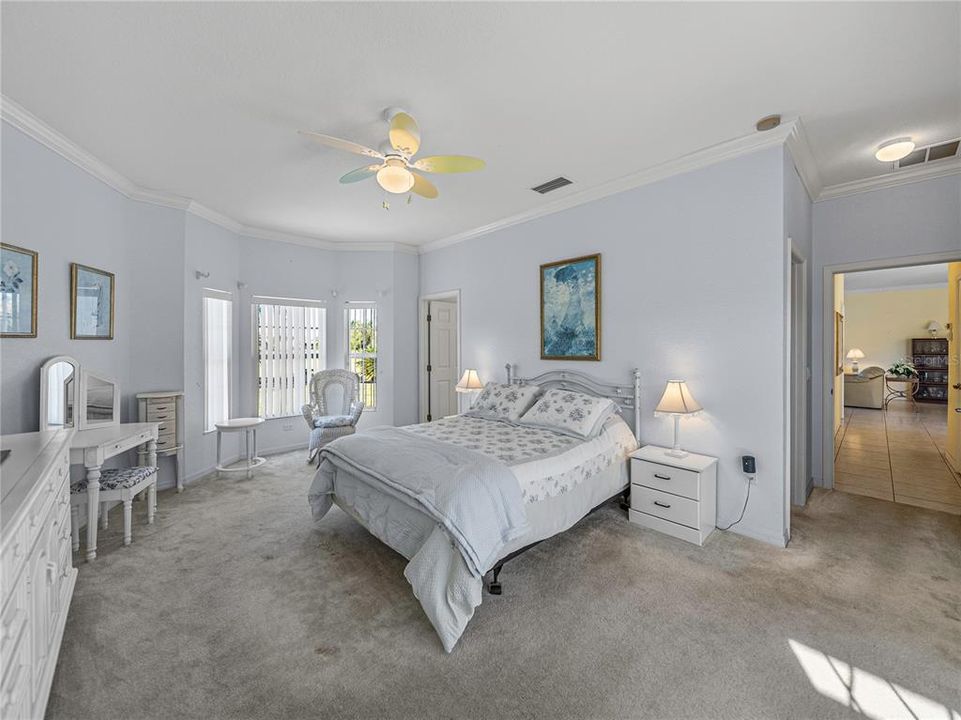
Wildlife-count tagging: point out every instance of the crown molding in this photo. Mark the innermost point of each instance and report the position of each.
(919, 173)
(712, 155)
(35, 128)
(807, 167)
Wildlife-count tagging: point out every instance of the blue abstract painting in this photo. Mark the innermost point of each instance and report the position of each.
(571, 309)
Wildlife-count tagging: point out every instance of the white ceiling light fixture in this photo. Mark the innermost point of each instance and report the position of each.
(394, 171)
(894, 150)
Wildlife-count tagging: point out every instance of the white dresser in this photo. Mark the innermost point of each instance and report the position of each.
(165, 408)
(677, 496)
(37, 572)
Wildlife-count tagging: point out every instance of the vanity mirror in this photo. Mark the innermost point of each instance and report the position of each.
(73, 397)
(58, 391)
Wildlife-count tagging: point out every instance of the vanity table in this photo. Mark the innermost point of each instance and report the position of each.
(92, 447)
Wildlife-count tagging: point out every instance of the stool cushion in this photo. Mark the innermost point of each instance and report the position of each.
(333, 421)
(117, 479)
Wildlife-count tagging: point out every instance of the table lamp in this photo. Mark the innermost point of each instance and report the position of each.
(469, 382)
(934, 327)
(855, 354)
(677, 401)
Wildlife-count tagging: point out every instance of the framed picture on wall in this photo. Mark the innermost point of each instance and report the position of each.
(571, 309)
(838, 344)
(18, 292)
(91, 303)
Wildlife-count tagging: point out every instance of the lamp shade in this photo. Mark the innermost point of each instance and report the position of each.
(677, 400)
(934, 326)
(855, 354)
(469, 382)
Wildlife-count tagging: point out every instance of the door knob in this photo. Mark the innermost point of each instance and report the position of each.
(957, 410)
(957, 386)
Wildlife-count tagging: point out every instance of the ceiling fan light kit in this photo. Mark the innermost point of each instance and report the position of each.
(395, 171)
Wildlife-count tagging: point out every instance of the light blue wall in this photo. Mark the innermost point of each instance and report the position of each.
(52, 206)
(692, 287)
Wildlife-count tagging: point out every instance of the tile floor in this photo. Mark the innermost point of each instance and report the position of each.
(897, 455)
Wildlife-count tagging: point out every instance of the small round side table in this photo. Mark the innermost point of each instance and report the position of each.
(907, 391)
(248, 426)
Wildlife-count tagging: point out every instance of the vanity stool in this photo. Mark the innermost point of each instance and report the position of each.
(121, 484)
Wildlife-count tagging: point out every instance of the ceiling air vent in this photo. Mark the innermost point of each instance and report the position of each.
(550, 185)
(930, 153)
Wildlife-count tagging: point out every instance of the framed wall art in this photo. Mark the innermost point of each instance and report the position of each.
(571, 309)
(91, 303)
(18, 292)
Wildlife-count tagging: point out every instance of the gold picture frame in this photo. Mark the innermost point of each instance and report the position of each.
(11, 281)
(91, 281)
(571, 331)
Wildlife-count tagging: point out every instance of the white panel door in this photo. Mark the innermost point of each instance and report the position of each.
(442, 359)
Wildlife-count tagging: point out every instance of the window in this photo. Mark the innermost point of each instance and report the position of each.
(291, 339)
(218, 331)
(361, 325)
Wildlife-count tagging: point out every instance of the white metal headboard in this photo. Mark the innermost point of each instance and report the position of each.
(626, 397)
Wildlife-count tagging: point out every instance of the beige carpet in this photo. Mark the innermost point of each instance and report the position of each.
(235, 605)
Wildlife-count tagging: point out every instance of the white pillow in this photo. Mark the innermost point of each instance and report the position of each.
(504, 402)
(571, 413)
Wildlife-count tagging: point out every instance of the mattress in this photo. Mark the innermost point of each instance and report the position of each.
(562, 478)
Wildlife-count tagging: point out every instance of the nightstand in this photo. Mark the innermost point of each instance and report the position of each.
(673, 495)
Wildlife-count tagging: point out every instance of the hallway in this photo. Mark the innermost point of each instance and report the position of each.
(897, 455)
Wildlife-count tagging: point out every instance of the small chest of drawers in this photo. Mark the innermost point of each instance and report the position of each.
(674, 495)
(166, 409)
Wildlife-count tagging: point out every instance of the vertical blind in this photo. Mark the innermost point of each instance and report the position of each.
(217, 333)
(291, 346)
(361, 326)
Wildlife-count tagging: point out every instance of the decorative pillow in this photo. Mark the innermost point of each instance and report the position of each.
(329, 421)
(571, 413)
(504, 402)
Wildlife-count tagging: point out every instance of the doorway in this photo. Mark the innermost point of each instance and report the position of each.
(891, 344)
(439, 355)
(800, 478)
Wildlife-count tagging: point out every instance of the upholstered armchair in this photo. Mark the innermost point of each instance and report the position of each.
(866, 389)
(334, 408)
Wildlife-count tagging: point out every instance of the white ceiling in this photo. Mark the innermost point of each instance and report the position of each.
(894, 278)
(204, 99)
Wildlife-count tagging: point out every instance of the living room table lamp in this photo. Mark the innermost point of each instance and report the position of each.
(855, 354)
(934, 327)
(469, 382)
(677, 402)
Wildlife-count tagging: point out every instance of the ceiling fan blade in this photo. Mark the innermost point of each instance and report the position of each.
(404, 134)
(423, 187)
(449, 164)
(360, 173)
(347, 145)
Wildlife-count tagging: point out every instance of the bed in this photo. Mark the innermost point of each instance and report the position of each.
(460, 496)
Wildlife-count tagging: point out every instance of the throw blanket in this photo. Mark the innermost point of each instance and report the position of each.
(475, 498)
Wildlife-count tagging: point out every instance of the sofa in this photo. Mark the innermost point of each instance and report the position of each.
(866, 389)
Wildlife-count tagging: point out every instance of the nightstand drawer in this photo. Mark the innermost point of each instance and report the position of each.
(669, 479)
(683, 511)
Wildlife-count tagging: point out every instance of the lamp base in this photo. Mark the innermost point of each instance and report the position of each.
(677, 453)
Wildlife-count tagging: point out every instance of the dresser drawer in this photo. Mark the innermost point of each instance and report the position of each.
(159, 413)
(167, 427)
(165, 442)
(683, 511)
(661, 477)
(15, 685)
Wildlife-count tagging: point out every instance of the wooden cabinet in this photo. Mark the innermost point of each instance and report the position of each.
(930, 357)
(38, 575)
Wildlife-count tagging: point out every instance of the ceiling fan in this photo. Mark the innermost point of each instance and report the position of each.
(395, 166)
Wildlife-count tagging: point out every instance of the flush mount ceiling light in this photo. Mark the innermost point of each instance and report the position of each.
(395, 166)
(894, 150)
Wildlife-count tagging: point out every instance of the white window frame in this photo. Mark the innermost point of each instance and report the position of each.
(361, 305)
(255, 344)
(212, 294)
